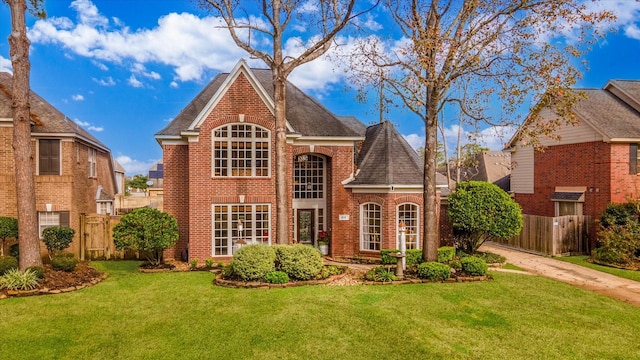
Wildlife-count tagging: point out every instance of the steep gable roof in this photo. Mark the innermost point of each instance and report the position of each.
(304, 114)
(47, 119)
(387, 159)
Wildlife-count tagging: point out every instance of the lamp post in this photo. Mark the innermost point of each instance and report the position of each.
(403, 243)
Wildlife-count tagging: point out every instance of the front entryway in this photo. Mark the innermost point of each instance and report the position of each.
(306, 225)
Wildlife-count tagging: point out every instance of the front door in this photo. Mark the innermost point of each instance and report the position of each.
(306, 226)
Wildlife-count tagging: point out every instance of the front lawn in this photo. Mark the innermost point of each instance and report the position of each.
(582, 261)
(182, 316)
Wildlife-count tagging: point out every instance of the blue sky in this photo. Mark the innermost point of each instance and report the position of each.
(124, 68)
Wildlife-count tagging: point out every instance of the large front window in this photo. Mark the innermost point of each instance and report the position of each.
(235, 225)
(370, 227)
(241, 150)
(308, 177)
(408, 213)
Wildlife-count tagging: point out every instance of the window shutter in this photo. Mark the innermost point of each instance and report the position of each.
(49, 157)
(633, 158)
(64, 218)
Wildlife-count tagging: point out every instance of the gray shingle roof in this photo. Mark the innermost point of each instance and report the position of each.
(387, 159)
(609, 114)
(305, 115)
(47, 118)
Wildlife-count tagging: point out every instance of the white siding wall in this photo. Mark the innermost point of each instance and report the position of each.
(522, 170)
(580, 133)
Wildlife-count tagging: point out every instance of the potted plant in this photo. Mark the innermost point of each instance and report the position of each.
(323, 242)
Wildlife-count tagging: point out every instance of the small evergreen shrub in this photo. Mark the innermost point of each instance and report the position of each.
(414, 257)
(14, 250)
(8, 230)
(193, 264)
(57, 238)
(15, 279)
(386, 258)
(208, 263)
(474, 266)
(7, 263)
(446, 254)
(620, 214)
(64, 262)
(329, 270)
(38, 270)
(434, 271)
(491, 258)
(381, 273)
(227, 271)
(617, 244)
(456, 265)
(253, 262)
(299, 261)
(276, 277)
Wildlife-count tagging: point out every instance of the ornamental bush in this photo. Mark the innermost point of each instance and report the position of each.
(276, 277)
(414, 256)
(8, 230)
(446, 254)
(38, 270)
(57, 238)
(617, 244)
(148, 230)
(299, 261)
(7, 263)
(434, 271)
(482, 211)
(15, 279)
(474, 266)
(63, 262)
(620, 214)
(381, 273)
(253, 262)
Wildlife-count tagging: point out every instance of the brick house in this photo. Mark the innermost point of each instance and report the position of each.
(346, 179)
(592, 164)
(74, 171)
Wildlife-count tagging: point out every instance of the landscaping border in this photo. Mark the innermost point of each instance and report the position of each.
(46, 291)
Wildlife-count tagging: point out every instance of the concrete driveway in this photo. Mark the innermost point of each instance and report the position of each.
(603, 283)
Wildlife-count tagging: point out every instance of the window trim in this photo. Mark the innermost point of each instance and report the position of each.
(92, 159)
(364, 216)
(311, 173)
(40, 158)
(231, 227)
(63, 220)
(228, 149)
(416, 227)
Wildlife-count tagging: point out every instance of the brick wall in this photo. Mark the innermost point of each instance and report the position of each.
(176, 201)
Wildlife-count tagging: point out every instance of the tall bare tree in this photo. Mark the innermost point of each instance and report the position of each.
(326, 17)
(25, 183)
(506, 51)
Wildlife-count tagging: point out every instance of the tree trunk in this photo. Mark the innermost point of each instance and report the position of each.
(25, 183)
(430, 214)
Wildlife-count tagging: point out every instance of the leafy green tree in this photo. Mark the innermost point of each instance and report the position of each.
(57, 238)
(137, 182)
(8, 230)
(148, 230)
(481, 211)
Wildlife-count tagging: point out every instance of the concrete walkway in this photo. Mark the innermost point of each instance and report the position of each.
(600, 282)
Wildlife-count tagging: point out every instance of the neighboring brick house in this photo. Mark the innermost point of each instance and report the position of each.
(591, 165)
(74, 171)
(219, 179)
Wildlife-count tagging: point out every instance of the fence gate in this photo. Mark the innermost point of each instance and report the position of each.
(96, 237)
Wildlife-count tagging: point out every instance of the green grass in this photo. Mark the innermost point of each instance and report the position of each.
(582, 261)
(512, 267)
(181, 315)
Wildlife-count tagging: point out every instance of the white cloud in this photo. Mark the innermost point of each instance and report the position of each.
(100, 65)
(369, 23)
(89, 126)
(494, 137)
(416, 141)
(174, 85)
(105, 82)
(134, 82)
(77, 97)
(134, 167)
(5, 65)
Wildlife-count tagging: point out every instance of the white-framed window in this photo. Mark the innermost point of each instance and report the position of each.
(308, 177)
(370, 227)
(105, 207)
(241, 150)
(52, 218)
(410, 214)
(235, 224)
(93, 163)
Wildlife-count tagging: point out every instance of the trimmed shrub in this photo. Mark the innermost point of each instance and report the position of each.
(434, 271)
(208, 263)
(253, 262)
(15, 279)
(446, 254)
(617, 244)
(381, 273)
(276, 277)
(299, 261)
(620, 214)
(38, 270)
(148, 230)
(14, 250)
(8, 230)
(64, 262)
(386, 259)
(481, 211)
(7, 263)
(414, 257)
(474, 266)
(57, 238)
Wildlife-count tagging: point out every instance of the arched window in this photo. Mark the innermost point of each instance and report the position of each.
(308, 177)
(370, 226)
(241, 150)
(409, 214)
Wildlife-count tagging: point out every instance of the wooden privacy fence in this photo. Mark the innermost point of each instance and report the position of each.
(555, 236)
(96, 238)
